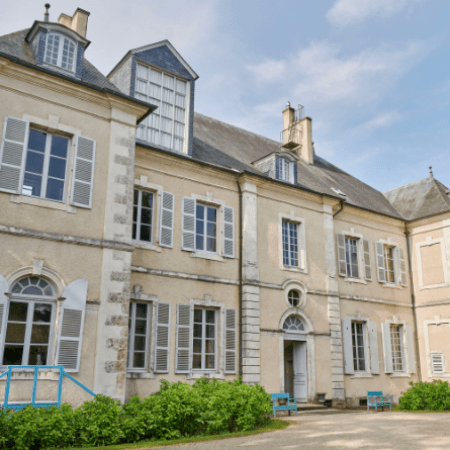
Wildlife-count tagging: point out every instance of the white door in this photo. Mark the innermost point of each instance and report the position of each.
(300, 373)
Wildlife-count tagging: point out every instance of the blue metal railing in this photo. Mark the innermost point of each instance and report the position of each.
(36, 369)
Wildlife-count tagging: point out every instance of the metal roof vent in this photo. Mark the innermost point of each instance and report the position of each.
(46, 14)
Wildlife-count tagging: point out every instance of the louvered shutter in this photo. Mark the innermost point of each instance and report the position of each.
(347, 346)
(295, 173)
(380, 262)
(230, 341)
(373, 343)
(162, 340)
(83, 172)
(437, 363)
(70, 335)
(410, 348)
(402, 266)
(188, 224)
(12, 154)
(367, 268)
(3, 304)
(166, 222)
(341, 255)
(228, 232)
(277, 168)
(387, 349)
(183, 347)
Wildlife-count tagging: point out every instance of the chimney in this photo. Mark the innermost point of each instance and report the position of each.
(297, 133)
(78, 22)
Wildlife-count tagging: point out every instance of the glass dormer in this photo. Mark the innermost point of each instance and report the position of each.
(60, 51)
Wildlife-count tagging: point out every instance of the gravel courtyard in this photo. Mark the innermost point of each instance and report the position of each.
(359, 430)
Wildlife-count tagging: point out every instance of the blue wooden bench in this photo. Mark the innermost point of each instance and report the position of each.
(288, 407)
(376, 399)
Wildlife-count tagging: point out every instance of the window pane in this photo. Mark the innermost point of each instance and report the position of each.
(154, 91)
(180, 100)
(36, 141)
(168, 95)
(165, 140)
(153, 136)
(32, 290)
(210, 244)
(40, 334)
(141, 310)
(179, 129)
(42, 313)
(209, 347)
(212, 214)
(169, 82)
(211, 229)
(55, 189)
(156, 77)
(146, 233)
(181, 86)
(35, 162)
(32, 185)
(38, 355)
(142, 72)
(18, 312)
(197, 348)
(166, 125)
(139, 360)
(210, 331)
(15, 333)
(154, 121)
(141, 87)
(57, 168)
(147, 199)
(139, 343)
(59, 146)
(196, 361)
(13, 355)
(141, 326)
(209, 362)
(178, 144)
(197, 330)
(198, 315)
(146, 216)
(210, 316)
(134, 231)
(180, 114)
(166, 110)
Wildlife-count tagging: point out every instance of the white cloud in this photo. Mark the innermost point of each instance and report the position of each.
(349, 12)
(268, 71)
(382, 120)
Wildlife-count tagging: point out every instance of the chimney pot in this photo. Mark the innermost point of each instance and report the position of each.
(46, 14)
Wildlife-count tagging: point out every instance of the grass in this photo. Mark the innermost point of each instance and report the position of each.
(273, 425)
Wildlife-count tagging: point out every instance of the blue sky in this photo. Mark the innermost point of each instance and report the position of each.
(372, 74)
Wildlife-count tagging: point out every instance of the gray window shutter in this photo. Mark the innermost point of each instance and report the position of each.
(410, 348)
(386, 332)
(380, 262)
(162, 340)
(3, 304)
(277, 168)
(166, 222)
(402, 266)
(295, 173)
(230, 341)
(12, 154)
(183, 347)
(188, 224)
(228, 232)
(341, 255)
(83, 172)
(367, 268)
(347, 344)
(373, 342)
(70, 335)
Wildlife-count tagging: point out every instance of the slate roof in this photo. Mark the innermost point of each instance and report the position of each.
(222, 144)
(420, 199)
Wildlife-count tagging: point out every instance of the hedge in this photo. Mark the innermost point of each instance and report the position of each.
(426, 396)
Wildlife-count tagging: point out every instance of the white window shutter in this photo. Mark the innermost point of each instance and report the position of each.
(162, 340)
(387, 349)
(12, 154)
(347, 345)
(183, 347)
(70, 335)
(437, 363)
(380, 262)
(83, 172)
(341, 255)
(166, 222)
(230, 341)
(373, 343)
(402, 266)
(188, 224)
(367, 267)
(3, 304)
(410, 348)
(228, 232)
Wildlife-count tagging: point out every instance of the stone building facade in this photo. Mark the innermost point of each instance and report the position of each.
(141, 241)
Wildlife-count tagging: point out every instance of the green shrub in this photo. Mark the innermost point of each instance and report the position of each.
(176, 410)
(421, 396)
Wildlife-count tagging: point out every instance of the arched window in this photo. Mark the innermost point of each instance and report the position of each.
(294, 297)
(60, 51)
(29, 326)
(293, 323)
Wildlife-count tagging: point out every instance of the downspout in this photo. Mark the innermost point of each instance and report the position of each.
(340, 209)
(413, 301)
(238, 176)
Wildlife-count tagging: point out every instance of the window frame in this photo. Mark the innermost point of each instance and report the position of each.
(205, 221)
(131, 336)
(147, 124)
(286, 169)
(394, 253)
(152, 241)
(364, 346)
(216, 334)
(290, 223)
(399, 327)
(301, 238)
(62, 37)
(357, 244)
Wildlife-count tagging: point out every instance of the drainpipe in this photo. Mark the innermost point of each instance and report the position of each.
(340, 209)
(413, 301)
(238, 176)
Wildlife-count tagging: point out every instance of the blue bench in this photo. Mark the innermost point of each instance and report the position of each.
(288, 407)
(376, 399)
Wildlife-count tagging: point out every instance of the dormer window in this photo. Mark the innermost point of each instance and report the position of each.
(60, 51)
(285, 170)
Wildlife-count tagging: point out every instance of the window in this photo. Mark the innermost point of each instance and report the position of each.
(284, 170)
(437, 363)
(143, 216)
(351, 257)
(388, 253)
(358, 345)
(293, 323)
(60, 51)
(396, 348)
(29, 323)
(294, 297)
(167, 125)
(205, 228)
(45, 166)
(204, 345)
(290, 243)
(138, 335)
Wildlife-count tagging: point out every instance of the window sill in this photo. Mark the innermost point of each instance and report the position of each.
(362, 375)
(17, 198)
(355, 280)
(434, 286)
(29, 374)
(207, 256)
(140, 375)
(401, 375)
(293, 269)
(391, 286)
(147, 246)
(194, 375)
